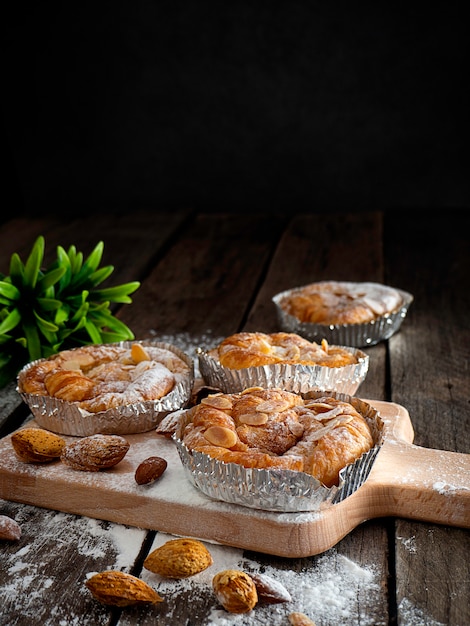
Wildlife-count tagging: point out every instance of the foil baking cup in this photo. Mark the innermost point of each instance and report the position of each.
(66, 418)
(276, 489)
(357, 335)
(296, 377)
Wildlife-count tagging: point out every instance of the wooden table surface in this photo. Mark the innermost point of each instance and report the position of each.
(205, 276)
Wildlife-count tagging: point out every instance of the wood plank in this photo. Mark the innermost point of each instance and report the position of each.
(429, 256)
(205, 282)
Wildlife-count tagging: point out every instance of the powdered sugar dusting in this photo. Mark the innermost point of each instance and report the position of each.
(329, 594)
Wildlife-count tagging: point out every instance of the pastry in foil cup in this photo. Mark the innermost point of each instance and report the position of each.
(276, 489)
(66, 418)
(291, 377)
(356, 335)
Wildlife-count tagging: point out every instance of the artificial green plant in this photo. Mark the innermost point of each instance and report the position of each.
(45, 310)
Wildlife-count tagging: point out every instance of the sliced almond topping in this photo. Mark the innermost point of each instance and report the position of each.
(217, 402)
(274, 406)
(324, 345)
(71, 364)
(221, 436)
(312, 404)
(139, 353)
(296, 428)
(250, 390)
(253, 419)
(331, 425)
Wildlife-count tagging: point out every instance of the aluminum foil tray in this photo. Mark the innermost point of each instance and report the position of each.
(357, 335)
(65, 418)
(277, 490)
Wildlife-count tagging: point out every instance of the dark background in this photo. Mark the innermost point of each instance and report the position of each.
(237, 106)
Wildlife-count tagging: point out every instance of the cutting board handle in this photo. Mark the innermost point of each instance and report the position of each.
(420, 483)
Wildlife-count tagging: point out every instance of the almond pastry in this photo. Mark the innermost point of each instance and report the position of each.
(319, 437)
(252, 349)
(332, 302)
(100, 377)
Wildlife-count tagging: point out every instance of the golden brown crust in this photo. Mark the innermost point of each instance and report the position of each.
(253, 349)
(332, 302)
(101, 377)
(273, 428)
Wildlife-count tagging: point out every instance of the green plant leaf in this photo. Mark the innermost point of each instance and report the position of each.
(16, 270)
(32, 340)
(9, 291)
(45, 325)
(119, 293)
(11, 321)
(94, 259)
(33, 263)
(50, 278)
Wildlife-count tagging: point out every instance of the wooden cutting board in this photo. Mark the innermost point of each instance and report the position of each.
(405, 481)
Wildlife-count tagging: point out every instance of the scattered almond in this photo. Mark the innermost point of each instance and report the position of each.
(221, 436)
(95, 452)
(36, 445)
(299, 619)
(149, 470)
(270, 591)
(117, 588)
(235, 590)
(169, 424)
(179, 558)
(9, 528)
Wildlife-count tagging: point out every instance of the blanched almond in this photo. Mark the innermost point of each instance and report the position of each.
(221, 436)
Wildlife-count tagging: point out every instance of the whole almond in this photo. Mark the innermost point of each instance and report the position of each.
(149, 470)
(95, 452)
(36, 445)
(300, 619)
(9, 528)
(235, 590)
(270, 590)
(179, 558)
(117, 588)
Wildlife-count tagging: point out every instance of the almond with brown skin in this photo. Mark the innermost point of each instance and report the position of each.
(36, 445)
(9, 528)
(299, 619)
(95, 452)
(117, 588)
(270, 591)
(179, 558)
(149, 470)
(235, 590)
